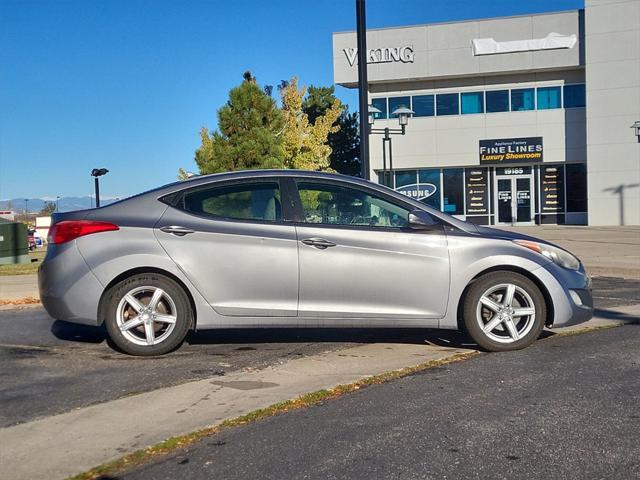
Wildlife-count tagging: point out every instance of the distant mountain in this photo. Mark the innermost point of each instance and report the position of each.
(65, 204)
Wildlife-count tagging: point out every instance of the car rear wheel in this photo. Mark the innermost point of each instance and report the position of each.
(147, 314)
(504, 311)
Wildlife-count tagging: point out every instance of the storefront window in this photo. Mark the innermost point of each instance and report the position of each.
(452, 190)
(472, 102)
(423, 106)
(548, 97)
(574, 96)
(576, 187)
(522, 99)
(497, 101)
(380, 104)
(431, 177)
(406, 177)
(447, 104)
(397, 102)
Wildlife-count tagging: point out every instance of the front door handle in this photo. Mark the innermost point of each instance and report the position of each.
(177, 230)
(319, 243)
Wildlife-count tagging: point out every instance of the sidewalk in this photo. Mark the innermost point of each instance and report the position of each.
(605, 251)
(14, 287)
(76, 441)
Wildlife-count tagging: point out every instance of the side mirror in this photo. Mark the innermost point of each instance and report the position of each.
(421, 220)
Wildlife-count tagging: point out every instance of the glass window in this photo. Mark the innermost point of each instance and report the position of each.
(574, 96)
(406, 177)
(331, 204)
(497, 101)
(397, 102)
(522, 99)
(259, 201)
(447, 104)
(423, 106)
(380, 104)
(576, 178)
(431, 177)
(472, 102)
(452, 189)
(548, 97)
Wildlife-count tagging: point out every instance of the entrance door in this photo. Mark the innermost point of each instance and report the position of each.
(514, 200)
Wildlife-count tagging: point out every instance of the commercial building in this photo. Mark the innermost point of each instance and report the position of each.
(517, 120)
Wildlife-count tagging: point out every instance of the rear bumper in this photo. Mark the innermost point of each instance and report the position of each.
(68, 289)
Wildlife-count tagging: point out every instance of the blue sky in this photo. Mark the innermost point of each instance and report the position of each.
(127, 84)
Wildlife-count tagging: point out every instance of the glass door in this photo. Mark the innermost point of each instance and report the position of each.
(514, 200)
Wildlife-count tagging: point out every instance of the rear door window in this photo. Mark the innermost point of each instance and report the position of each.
(259, 201)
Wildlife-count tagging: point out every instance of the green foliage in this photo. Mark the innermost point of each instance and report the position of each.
(248, 135)
(345, 142)
(48, 208)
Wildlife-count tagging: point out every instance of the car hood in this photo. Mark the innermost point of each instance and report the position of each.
(505, 235)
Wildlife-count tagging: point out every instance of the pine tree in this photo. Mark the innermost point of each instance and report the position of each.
(249, 134)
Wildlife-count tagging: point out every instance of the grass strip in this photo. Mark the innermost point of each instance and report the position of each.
(307, 400)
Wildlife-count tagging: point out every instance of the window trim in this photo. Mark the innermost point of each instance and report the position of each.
(370, 191)
(178, 197)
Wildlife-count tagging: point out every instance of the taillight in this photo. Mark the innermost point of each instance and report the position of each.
(68, 230)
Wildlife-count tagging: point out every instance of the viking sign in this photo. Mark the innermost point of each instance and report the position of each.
(382, 55)
(417, 191)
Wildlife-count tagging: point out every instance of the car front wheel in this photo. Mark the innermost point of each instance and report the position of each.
(147, 314)
(504, 311)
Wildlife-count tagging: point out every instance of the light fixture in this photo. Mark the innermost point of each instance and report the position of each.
(403, 115)
(372, 114)
(636, 126)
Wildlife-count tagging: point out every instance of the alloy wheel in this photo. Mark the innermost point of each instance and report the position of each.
(505, 313)
(146, 315)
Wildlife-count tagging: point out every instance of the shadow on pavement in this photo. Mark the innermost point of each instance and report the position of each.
(74, 332)
(416, 336)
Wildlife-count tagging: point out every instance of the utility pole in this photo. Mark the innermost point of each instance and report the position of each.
(363, 86)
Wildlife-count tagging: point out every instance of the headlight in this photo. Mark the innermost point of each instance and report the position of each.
(556, 255)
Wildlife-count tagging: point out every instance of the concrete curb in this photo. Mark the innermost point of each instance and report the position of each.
(76, 441)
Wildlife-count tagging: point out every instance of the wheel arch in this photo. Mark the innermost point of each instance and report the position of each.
(508, 268)
(142, 270)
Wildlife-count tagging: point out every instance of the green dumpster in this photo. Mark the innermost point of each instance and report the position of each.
(14, 246)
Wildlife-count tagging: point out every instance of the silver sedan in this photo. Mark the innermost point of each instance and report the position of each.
(300, 249)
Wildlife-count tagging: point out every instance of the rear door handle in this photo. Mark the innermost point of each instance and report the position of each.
(319, 243)
(177, 230)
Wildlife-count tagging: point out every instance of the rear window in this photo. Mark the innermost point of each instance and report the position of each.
(247, 201)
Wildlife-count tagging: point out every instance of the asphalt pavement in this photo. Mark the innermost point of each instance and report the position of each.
(51, 367)
(566, 407)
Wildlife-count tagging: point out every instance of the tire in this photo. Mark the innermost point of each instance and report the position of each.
(154, 329)
(498, 325)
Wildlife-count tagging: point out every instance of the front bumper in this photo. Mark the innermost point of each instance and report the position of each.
(570, 293)
(68, 289)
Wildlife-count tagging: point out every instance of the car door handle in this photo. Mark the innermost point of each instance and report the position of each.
(319, 243)
(177, 230)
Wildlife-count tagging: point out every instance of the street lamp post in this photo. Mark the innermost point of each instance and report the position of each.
(403, 113)
(363, 85)
(57, 203)
(98, 172)
(26, 207)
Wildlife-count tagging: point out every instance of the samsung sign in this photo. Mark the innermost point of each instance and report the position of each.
(403, 54)
(418, 191)
(511, 150)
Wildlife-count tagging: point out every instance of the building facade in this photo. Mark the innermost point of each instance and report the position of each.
(516, 119)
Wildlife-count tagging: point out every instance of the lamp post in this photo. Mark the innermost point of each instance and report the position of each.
(98, 172)
(57, 203)
(363, 85)
(26, 207)
(636, 126)
(403, 114)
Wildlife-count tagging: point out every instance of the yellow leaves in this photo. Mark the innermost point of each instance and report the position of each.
(305, 144)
